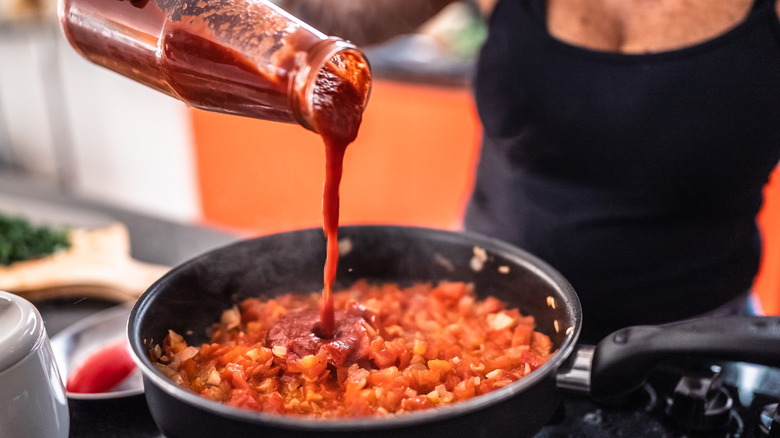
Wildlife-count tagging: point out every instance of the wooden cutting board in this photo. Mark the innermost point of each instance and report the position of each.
(98, 264)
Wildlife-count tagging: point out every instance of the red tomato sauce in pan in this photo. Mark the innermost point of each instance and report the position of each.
(393, 350)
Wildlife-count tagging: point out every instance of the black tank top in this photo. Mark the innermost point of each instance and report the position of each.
(638, 176)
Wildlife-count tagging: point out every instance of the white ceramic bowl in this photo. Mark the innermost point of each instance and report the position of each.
(32, 396)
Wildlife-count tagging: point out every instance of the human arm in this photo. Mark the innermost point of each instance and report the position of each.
(365, 22)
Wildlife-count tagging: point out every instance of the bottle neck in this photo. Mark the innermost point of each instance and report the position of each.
(342, 58)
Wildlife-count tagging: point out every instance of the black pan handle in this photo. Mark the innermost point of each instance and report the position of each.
(622, 361)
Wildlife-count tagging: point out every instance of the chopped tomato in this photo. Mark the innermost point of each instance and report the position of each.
(427, 346)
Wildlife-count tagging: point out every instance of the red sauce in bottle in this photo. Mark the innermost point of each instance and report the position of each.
(237, 57)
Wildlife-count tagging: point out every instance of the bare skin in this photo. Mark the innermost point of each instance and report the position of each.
(642, 26)
(365, 22)
(623, 26)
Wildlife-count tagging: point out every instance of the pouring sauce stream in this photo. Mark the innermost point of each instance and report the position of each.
(338, 111)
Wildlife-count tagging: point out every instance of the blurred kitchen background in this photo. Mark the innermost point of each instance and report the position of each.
(79, 132)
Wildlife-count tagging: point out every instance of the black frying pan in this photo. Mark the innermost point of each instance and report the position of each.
(192, 296)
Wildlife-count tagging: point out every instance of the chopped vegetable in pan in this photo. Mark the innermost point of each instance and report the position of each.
(396, 350)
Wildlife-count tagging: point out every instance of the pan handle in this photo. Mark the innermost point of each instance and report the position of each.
(622, 361)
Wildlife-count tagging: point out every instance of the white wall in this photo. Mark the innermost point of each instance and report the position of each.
(110, 138)
(25, 129)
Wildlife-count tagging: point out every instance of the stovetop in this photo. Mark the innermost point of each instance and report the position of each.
(717, 400)
(723, 400)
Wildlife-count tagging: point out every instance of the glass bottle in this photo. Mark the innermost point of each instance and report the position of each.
(242, 57)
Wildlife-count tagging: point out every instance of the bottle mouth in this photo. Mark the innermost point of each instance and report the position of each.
(342, 57)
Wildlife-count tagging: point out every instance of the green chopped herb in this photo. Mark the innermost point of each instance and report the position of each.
(21, 240)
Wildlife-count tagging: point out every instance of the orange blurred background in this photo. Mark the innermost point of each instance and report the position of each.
(409, 165)
(412, 164)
